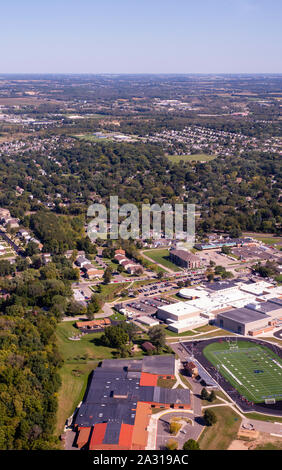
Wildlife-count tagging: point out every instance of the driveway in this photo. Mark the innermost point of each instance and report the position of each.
(189, 431)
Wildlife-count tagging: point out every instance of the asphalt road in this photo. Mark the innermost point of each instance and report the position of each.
(187, 432)
(278, 334)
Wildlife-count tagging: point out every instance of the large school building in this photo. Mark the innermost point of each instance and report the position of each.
(116, 409)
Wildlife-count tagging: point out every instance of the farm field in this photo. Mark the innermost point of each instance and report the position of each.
(198, 157)
(255, 371)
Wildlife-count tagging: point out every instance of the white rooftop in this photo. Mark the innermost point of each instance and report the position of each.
(189, 323)
(147, 320)
(258, 288)
(189, 292)
(180, 308)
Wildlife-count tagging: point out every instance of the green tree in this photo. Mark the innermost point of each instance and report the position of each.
(191, 444)
(210, 417)
(212, 396)
(204, 394)
(157, 336)
(107, 276)
(31, 249)
(226, 250)
(114, 336)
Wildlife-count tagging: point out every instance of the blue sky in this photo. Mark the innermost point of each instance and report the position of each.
(141, 36)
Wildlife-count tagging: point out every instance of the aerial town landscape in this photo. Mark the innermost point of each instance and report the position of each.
(122, 339)
(140, 232)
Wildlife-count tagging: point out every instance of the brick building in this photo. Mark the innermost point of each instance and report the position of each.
(185, 259)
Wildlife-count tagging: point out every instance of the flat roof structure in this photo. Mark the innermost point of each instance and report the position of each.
(266, 307)
(189, 323)
(146, 320)
(161, 365)
(116, 398)
(244, 315)
(178, 311)
(276, 300)
(220, 285)
(189, 293)
(258, 288)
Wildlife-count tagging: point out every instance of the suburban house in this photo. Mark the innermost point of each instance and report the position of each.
(82, 261)
(91, 271)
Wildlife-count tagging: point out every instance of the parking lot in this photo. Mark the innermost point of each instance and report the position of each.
(191, 430)
(218, 258)
(146, 306)
(256, 252)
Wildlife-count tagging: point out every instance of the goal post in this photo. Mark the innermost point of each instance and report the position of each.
(233, 345)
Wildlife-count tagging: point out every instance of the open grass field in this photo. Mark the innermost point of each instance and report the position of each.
(223, 432)
(270, 446)
(21, 101)
(263, 417)
(205, 328)
(179, 335)
(80, 357)
(87, 348)
(198, 157)
(268, 239)
(109, 291)
(161, 256)
(92, 138)
(74, 381)
(255, 371)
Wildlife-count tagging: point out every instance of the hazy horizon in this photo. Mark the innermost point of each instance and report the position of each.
(141, 37)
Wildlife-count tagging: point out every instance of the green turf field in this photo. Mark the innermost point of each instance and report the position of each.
(198, 157)
(255, 371)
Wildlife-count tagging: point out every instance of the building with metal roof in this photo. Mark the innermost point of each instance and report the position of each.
(242, 320)
(118, 393)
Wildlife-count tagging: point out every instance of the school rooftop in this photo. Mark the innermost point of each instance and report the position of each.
(117, 406)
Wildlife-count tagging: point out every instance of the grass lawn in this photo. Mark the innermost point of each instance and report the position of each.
(178, 335)
(185, 381)
(223, 432)
(92, 138)
(161, 256)
(166, 383)
(217, 333)
(201, 329)
(198, 157)
(109, 291)
(265, 238)
(270, 446)
(74, 381)
(255, 371)
(87, 348)
(80, 357)
(220, 394)
(262, 417)
(208, 403)
(273, 340)
(118, 316)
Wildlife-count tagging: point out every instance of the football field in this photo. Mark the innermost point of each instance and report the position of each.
(253, 370)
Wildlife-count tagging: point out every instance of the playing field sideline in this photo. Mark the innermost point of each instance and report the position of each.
(255, 371)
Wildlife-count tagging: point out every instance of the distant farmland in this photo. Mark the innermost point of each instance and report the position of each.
(198, 157)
